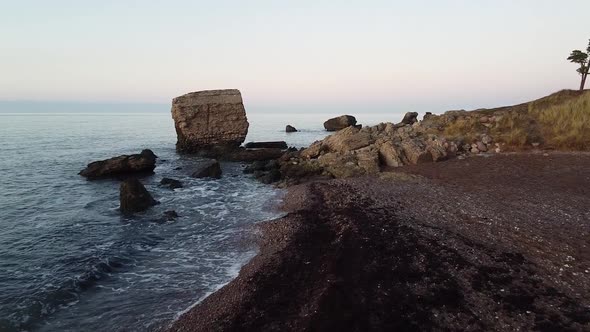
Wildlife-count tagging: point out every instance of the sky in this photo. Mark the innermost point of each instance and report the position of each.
(367, 55)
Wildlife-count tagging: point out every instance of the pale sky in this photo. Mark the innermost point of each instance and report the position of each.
(410, 54)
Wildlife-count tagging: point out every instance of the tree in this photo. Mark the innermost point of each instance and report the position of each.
(581, 58)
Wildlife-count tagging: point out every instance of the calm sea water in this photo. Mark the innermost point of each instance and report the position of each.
(70, 262)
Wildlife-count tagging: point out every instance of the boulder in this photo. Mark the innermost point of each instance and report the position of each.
(486, 139)
(313, 151)
(347, 139)
(481, 147)
(266, 145)
(340, 122)
(415, 151)
(259, 165)
(171, 183)
(290, 129)
(410, 118)
(209, 122)
(368, 160)
(208, 169)
(389, 155)
(133, 197)
(271, 176)
(437, 149)
(144, 162)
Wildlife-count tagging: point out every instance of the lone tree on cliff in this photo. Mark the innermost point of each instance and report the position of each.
(581, 58)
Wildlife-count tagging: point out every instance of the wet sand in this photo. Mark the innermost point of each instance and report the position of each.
(498, 243)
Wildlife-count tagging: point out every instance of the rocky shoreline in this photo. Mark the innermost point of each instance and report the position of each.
(380, 235)
(428, 247)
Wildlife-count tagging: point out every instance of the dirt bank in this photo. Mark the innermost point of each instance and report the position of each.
(497, 243)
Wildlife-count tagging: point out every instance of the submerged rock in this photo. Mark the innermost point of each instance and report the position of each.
(208, 169)
(133, 197)
(171, 183)
(266, 145)
(210, 122)
(170, 215)
(340, 122)
(290, 129)
(254, 154)
(121, 165)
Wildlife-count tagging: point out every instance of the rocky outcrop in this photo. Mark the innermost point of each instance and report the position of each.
(290, 129)
(209, 123)
(171, 183)
(144, 162)
(340, 122)
(133, 197)
(266, 145)
(208, 169)
(353, 152)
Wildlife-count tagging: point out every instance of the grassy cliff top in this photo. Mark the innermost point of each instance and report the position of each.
(558, 121)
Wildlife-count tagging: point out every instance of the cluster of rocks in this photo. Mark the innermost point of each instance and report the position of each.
(356, 151)
(133, 196)
(265, 171)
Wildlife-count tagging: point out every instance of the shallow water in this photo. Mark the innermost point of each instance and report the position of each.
(70, 262)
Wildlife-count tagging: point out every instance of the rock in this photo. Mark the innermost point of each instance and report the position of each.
(415, 151)
(144, 162)
(313, 151)
(170, 215)
(535, 144)
(301, 170)
(486, 139)
(427, 115)
(347, 139)
(437, 149)
(259, 165)
(171, 183)
(474, 148)
(484, 119)
(249, 155)
(290, 129)
(208, 169)
(209, 122)
(368, 160)
(266, 145)
(133, 197)
(389, 155)
(270, 176)
(340, 122)
(481, 147)
(410, 118)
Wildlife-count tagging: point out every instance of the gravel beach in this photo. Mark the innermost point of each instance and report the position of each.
(487, 243)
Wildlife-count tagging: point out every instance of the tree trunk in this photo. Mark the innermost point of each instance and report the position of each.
(585, 76)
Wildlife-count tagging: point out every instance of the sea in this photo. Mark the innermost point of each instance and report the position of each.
(69, 261)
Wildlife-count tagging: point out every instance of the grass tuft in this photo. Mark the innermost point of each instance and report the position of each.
(565, 125)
